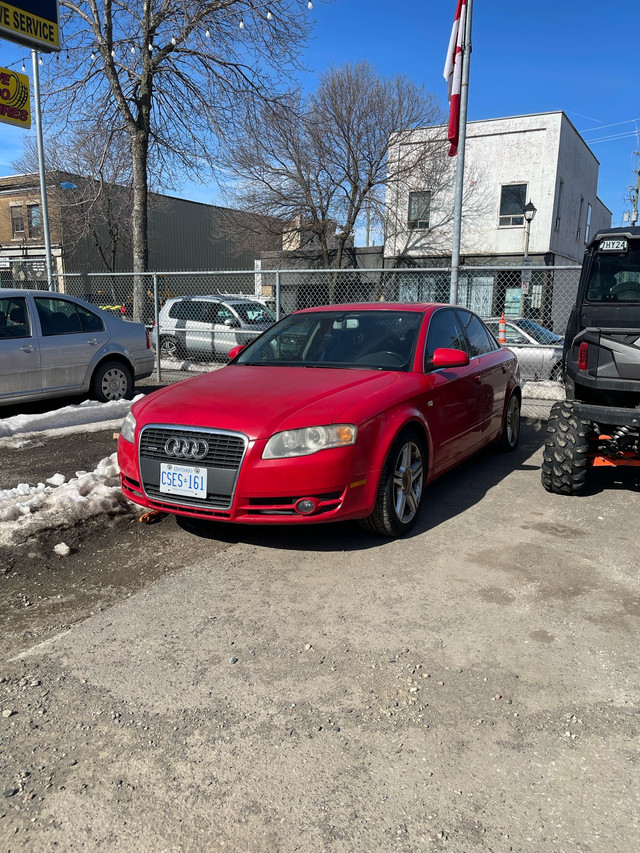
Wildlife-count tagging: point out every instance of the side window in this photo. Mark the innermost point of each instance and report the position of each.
(224, 313)
(57, 316)
(480, 341)
(14, 320)
(178, 310)
(444, 331)
(90, 321)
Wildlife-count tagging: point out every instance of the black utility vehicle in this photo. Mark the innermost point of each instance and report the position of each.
(599, 422)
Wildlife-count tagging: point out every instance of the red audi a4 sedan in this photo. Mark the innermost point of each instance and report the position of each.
(339, 412)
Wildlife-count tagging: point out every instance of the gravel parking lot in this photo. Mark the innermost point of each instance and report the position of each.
(473, 687)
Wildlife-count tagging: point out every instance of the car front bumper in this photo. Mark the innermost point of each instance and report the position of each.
(268, 491)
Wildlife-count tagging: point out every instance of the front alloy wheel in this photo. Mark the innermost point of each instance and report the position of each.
(401, 488)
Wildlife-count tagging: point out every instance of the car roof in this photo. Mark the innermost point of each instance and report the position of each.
(418, 307)
(214, 297)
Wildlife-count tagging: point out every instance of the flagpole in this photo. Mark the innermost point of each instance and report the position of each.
(457, 208)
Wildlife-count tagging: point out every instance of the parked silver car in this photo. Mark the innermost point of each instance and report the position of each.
(54, 345)
(207, 327)
(539, 350)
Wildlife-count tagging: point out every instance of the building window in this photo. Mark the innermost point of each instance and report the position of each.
(419, 204)
(587, 229)
(579, 228)
(17, 222)
(512, 202)
(34, 218)
(559, 204)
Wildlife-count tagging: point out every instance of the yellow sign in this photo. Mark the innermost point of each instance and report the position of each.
(33, 23)
(14, 98)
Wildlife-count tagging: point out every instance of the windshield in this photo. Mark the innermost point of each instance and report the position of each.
(253, 313)
(538, 332)
(615, 276)
(375, 339)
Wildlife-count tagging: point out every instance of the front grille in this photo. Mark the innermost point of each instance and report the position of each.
(225, 450)
(222, 461)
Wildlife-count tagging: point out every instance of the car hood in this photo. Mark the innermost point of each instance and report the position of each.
(259, 401)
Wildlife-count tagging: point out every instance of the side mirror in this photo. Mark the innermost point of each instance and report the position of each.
(231, 323)
(235, 351)
(446, 357)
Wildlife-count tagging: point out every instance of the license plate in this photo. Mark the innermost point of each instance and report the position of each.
(185, 480)
(613, 246)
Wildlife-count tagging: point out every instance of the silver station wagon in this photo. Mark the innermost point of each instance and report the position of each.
(54, 345)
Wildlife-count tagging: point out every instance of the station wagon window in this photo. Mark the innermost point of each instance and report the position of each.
(60, 317)
(14, 319)
(444, 331)
(512, 202)
(17, 222)
(419, 208)
(480, 341)
(183, 309)
(223, 313)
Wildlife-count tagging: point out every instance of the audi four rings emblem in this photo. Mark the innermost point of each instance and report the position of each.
(186, 448)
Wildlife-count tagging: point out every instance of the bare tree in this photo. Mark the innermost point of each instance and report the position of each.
(322, 162)
(170, 74)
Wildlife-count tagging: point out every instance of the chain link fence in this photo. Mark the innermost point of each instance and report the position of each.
(196, 318)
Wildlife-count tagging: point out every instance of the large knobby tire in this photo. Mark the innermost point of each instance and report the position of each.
(401, 487)
(511, 425)
(112, 381)
(564, 457)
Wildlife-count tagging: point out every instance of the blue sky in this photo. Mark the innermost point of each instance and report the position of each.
(580, 57)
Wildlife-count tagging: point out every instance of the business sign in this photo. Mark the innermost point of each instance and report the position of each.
(32, 23)
(14, 98)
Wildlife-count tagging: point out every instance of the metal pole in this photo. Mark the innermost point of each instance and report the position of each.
(278, 295)
(156, 323)
(43, 184)
(462, 138)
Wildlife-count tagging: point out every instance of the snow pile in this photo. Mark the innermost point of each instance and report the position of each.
(87, 413)
(27, 510)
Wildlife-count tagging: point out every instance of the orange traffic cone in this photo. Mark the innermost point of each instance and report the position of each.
(502, 330)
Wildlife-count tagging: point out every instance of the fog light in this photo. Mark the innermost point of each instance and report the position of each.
(305, 506)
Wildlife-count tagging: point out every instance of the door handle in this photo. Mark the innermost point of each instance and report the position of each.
(504, 369)
(28, 348)
(93, 342)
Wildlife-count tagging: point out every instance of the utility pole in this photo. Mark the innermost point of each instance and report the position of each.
(635, 192)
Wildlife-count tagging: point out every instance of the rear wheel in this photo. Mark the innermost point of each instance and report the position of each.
(112, 381)
(170, 347)
(566, 445)
(511, 426)
(401, 487)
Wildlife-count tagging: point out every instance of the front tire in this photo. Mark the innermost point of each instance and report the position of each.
(112, 381)
(564, 457)
(401, 487)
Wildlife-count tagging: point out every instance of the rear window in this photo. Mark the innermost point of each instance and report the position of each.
(615, 276)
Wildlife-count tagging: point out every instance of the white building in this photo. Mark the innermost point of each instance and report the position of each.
(508, 162)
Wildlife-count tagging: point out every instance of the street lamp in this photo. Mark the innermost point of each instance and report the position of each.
(529, 212)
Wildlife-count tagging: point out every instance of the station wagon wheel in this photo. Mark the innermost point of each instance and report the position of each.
(401, 487)
(112, 381)
(511, 425)
(170, 347)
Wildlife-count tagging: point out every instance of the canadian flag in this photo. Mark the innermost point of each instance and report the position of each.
(453, 74)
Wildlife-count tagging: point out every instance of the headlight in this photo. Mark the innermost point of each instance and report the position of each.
(303, 442)
(128, 429)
